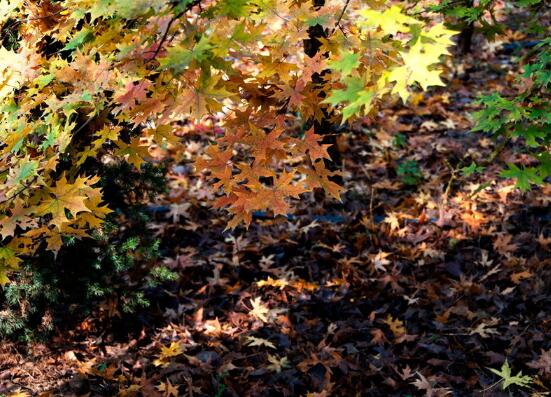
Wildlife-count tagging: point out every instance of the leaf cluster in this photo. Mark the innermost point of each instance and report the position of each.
(525, 118)
(461, 13)
(92, 82)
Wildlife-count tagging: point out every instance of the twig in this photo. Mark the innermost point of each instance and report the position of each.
(82, 126)
(371, 198)
(338, 23)
(174, 18)
(13, 196)
(452, 179)
(483, 391)
(165, 35)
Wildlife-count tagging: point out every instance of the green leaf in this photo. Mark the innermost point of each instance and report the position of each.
(130, 9)
(491, 118)
(232, 8)
(524, 177)
(355, 95)
(26, 169)
(182, 6)
(364, 100)
(79, 39)
(471, 169)
(545, 164)
(532, 134)
(527, 3)
(354, 86)
(43, 80)
(317, 20)
(179, 58)
(346, 63)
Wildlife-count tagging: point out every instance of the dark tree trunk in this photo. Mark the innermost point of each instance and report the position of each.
(324, 126)
(466, 39)
(466, 36)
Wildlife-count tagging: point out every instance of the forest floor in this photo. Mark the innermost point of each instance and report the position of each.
(417, 283)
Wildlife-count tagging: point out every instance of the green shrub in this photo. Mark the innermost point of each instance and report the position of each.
(409, 172)
(117, 261)
(525, 118)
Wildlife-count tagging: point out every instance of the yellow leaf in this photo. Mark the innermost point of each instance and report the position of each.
(391, 21)
(392, 220)
(10, 76)
(270, 282)
(8, 262)
(254, 341)
(168, 352)
(19, 393)
(169, 389)
(66, 196)
(259, 310)
(396, 326)
(135, 152)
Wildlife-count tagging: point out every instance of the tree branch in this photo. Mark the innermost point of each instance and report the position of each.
(13, 196)
(174, 18)
(338, 23)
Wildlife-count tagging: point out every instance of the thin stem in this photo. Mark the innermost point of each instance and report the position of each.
(174, 18)
(13, 196)
(338, 23)
(165, 35)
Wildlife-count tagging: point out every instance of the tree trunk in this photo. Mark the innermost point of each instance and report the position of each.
(324, 126)
(466, 35)
(466, 39)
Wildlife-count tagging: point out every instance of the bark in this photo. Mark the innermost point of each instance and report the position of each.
(323, 127)
(466, 35)
(466, 39)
